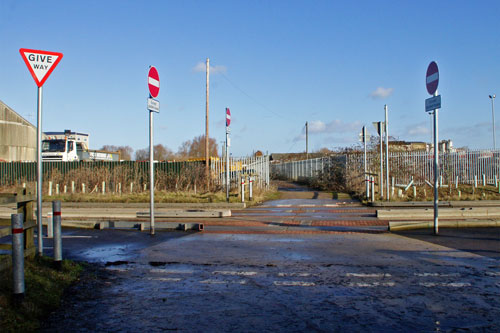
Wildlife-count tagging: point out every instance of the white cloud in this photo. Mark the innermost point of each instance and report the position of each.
(334, 127)
(418, 130)
(316, 126)
(202, 67)
(381, 92)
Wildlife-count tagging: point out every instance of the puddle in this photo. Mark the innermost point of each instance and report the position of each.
(107, 253)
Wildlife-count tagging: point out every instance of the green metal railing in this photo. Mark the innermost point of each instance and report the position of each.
(13, 173)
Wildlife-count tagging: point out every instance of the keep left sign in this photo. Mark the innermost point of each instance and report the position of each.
(40, 63)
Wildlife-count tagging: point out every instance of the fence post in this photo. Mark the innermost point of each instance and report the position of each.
(103, 187)
(50, 188)
(72, 186)
(56, 212)
(18, 256)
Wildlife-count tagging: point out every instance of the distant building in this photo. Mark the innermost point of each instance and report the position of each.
(408, 146)
(17, 136)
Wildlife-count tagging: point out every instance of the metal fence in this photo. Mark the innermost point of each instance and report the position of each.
(304, 169)
(462, 167)
(13, 173)
(241, 167)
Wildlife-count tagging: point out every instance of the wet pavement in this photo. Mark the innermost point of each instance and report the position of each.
(300, 278)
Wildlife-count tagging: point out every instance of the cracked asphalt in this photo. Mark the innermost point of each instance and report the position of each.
(344, 280)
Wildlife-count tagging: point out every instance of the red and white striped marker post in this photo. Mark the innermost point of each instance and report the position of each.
(242, 189)
(250, 188)
(18, 256)
(56, 212)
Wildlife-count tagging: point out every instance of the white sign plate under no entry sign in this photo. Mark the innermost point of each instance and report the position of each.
(433, 103)
(153, 105)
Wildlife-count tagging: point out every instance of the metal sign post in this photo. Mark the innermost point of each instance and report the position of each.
(380, 130)
(153, 106)
(386, 123)
(228, 130)
(40, 64)
(366, 170)
(431, 82)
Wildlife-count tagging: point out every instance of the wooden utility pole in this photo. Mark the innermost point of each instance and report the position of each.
(207, 170)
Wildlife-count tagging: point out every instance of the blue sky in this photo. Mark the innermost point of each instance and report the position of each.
(276, 65)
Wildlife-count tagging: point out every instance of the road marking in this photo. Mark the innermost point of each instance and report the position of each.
(369, 275)
(294, 274)
(330, 205)
(165, 279)
(451, 284)
(306, 205)
(294, 283)
(235, 273)
(437, 274)
(211, 281)
(371, 284)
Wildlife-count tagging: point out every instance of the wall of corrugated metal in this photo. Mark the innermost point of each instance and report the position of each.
(17, 136)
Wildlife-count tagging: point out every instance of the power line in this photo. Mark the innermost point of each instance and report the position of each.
(252, 98)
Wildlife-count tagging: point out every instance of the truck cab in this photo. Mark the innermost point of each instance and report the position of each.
(64, 146)
(59, 150)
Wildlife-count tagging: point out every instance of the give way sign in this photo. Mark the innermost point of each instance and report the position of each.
(40, 63)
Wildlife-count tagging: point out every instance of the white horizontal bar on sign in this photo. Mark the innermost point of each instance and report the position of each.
(432, 77)
(153, 82)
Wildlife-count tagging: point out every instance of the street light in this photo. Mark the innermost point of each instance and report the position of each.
(492, 97)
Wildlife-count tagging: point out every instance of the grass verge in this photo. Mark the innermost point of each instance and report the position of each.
(44, 287)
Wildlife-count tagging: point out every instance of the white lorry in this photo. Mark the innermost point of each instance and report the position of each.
(71, 146)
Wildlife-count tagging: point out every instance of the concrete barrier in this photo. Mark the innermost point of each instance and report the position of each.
(428, 213)
(411, 225)
(187, 213)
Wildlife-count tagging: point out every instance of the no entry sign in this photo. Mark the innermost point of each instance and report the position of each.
(228, 117)
(153, 82)
(432, 78)
(40, 63)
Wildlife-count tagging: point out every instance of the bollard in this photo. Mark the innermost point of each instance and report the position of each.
(368, 191)
(484, 179)
(72, 186)
(414, 191)
(83, 187)
(459, 194)
(18, 256)
(456, 182)
(475, 181)
(242, 189)
(372, 184)
(50, 226)
(56, 211)
(50, 188)
(250, 188)
(103, 187)
(57, 189)
(65, 189)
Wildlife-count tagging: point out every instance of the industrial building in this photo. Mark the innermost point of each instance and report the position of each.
(17, 136)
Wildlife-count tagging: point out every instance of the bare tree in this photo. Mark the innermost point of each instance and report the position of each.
(125, 151)
(196, 148)
(161, 153)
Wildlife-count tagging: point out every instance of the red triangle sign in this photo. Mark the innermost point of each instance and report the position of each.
(40, 63)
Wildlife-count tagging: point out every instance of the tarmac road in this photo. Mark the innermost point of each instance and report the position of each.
(344, 279)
